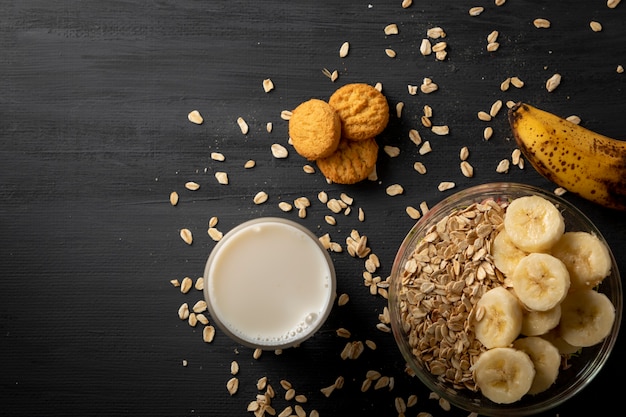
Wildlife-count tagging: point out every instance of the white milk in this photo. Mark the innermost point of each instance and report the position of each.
(269, 283)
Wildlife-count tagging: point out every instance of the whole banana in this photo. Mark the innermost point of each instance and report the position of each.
(580, 160)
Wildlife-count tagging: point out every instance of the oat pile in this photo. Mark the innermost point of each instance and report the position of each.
(442, 280)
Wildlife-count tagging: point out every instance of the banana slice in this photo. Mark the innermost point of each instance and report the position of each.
(537, 323)
(546, 359)
(587, 317)
(541, 281)
(505, 254)
(499, 318)
(533, 223)
(504, 375)
(554, 337)
(587, 258)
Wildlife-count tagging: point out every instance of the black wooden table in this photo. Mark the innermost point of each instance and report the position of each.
(94, 136)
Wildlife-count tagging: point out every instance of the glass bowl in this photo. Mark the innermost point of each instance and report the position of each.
(584, 365)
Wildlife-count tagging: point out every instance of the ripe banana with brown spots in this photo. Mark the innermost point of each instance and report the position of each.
(581, 161)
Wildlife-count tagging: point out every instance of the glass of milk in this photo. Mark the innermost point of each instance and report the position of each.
(269, 283)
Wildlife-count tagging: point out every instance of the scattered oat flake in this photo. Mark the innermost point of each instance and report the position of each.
(173, 198)
(428, 86)
(183, 311)
(504, 85)
(446, 185)
(193, 186)
(495, 108)
(249, 164)
(493, 46)
(559, 191)
(344, 49)
(476, 11)
(444, 404)
(343, 299)
(260, 197)
(215, 234)
(413, 212)
(464, 153)
(503, 166)
(426, 47)
(186, 236)
(392, 151)
(284, 206)
(573, 119)
(484, 116)
(419, 167)
(515, 156)
(279, 151)
(415, 137)
(541, 23)
(242, 125)
(488, 132)
(200, 306)
(195, 117)
(517, 82)
(436, 33)
(332, 75)
(595, 26)
(199, 285)
(440, 130)
(406, 3)
(400, 405)
(186, 285)
(217, 156)
(399, 108)
(208, 333)
(425, 148)
(394, 189)
(619, 69)
(553, 82)
(391, 29)
(232, 385)
(213, 221)
(234, 368)
(467, 169)
(268, 85)
(221, 177)
(285, 114)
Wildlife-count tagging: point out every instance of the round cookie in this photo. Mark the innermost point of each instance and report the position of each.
(363, 110)
(315, 129)
(352, 162)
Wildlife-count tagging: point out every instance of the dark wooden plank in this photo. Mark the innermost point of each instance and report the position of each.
(94, 137)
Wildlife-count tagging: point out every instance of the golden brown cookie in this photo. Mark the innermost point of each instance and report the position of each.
(315, 129)
(352, 162)
(363, 110)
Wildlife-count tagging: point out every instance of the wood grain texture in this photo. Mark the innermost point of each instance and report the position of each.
(94, 97)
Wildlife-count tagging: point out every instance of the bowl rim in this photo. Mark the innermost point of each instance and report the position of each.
(480, 404)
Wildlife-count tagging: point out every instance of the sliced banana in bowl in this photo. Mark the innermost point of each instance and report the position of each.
(495, 289)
